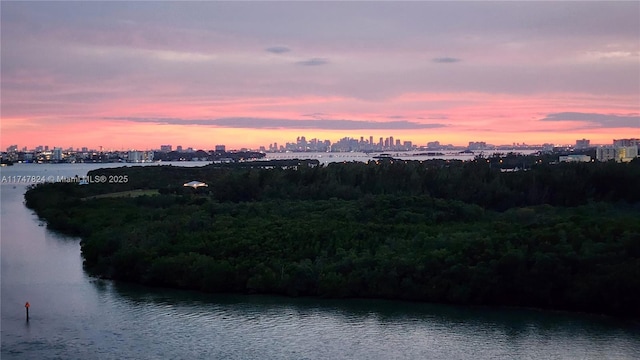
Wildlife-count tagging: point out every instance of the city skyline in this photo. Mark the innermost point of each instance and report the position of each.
(302, 143)
(140, 74)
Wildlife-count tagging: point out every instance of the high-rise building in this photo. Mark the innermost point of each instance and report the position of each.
(408, 145)
(626, 153)
(134, 156)
(139, 156)
(220, 148)
(626, 142)
(56, 155)
(477, 145)
(617, 153)
(165, 148)
(605, 153)
(582, 144)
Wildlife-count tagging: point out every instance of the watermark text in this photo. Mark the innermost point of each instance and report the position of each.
(82, 180)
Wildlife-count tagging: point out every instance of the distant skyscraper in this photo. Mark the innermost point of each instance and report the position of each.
(477, 145)
(626, 142)
(135, 156)
(220, 148)
(56, 155)
(165, 148)
(582, 144)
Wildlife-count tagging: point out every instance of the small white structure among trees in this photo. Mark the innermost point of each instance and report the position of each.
(195, 184)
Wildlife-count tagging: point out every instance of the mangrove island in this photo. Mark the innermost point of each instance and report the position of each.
(560, 236)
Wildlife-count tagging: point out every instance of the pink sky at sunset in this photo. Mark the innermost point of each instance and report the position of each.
(134, 75)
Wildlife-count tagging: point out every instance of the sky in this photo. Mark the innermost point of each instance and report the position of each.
(135, 75)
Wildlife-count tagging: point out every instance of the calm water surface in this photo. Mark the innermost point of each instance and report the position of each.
(74, 316)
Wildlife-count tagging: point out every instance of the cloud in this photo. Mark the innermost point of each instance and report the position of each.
(445, 60)
(313, 62)
(278, 49)
(268, 123)
(597, 120)
(317, 115)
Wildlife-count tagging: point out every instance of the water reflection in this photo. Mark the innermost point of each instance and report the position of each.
(463, 324)
(383, 310)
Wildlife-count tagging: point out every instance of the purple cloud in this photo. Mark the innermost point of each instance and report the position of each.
(313, 62)
(278, 49)
(268, 123)
(597, 120)
(445, 60)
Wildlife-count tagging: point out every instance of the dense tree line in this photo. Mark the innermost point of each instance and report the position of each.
(563, 237)
(481, 182)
